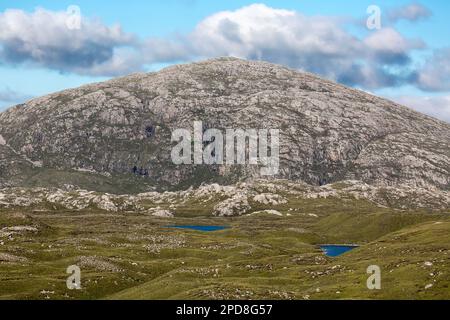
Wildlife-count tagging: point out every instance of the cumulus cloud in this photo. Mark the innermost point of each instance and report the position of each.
(438, 107)
(412, 12)
(166, 50)
(317, 44)
(261, 32)
(42, 38)
(388, 46)
(435, 74)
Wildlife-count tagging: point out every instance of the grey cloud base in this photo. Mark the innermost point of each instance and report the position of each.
(42, 39)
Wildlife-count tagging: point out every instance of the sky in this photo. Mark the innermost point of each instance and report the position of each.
(48, 46)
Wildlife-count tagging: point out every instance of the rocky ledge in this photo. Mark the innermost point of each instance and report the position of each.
(260, 196)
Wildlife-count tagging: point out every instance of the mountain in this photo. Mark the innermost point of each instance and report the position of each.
(115, 136)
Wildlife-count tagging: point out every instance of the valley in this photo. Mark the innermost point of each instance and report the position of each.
(259, 255)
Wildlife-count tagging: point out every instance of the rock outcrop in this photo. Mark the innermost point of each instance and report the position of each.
(225, 201)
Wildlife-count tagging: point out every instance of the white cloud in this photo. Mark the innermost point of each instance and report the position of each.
(317, 44)
(438, 107)
(435, 74)
(42, 38)
(389, 41)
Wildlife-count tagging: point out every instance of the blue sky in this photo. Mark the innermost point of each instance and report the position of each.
(406, 60)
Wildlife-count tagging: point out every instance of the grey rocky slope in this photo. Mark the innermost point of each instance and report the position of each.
(115, 136)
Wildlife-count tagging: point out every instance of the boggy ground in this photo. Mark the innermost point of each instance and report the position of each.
(261, 256)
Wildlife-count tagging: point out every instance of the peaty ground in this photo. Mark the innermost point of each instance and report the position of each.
(261, 256)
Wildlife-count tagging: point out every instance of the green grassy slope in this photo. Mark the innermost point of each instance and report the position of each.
(130, 256)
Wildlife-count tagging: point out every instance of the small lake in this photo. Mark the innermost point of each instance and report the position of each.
(335, 250)
(200, 228)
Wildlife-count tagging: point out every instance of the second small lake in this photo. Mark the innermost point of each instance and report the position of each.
(336, 250)
(200, 228)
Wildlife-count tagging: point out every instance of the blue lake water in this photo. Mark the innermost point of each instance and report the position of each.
(336, 250)
(201, 228)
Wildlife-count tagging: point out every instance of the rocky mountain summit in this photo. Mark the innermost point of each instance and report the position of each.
(115, 136)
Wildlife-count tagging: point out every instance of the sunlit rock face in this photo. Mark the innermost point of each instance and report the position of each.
(115, 136)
